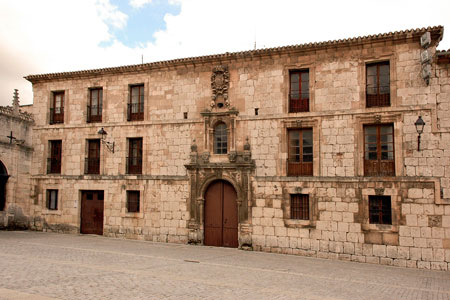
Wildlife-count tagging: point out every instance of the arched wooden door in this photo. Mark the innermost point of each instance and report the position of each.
(221, 215)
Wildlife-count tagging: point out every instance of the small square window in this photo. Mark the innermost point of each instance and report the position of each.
(300, 206)
(380, 210)
(52, 199)
(133, 199)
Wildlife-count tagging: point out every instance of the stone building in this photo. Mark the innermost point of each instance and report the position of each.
(309, 149)
(15, 162)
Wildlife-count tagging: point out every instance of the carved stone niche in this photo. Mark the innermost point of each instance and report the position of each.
(220, 81)
(237, 172)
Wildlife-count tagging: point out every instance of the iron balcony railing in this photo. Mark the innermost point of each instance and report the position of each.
(135, 111)
(94, 113)
(53, 166)
(56, 115)
(92, 165)
(298, 102)
(134, 165)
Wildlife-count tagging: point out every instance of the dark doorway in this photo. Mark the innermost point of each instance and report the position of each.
(92, 212)
(221, 215)
(3, 179)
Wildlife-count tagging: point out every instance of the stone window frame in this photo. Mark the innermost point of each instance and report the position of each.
(396, 201)
(300, 124)
(286, 207)
(210, 125)
(362, 70)
(396, 121)
(89, 102)
(286, 86)
(50, 106)
(124, 196)
(128, 99)
(44, 195)
(143, 162)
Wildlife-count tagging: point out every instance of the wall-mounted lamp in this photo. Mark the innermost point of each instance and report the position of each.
(109, 145)
(419, 128)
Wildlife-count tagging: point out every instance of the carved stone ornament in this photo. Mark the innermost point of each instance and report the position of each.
(220, 81)
(205, 157)
(377, 119)
(379, 191)
(232, 156)
(193, 146)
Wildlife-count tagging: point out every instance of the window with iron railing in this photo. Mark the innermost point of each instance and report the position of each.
(299, 206)
(380, 210)
(378, 85)
(54, 161)
(135, 109)
(57, 108)
(134, 159)
(379, 158)
(92, 161)
(299, 91)
(95, 105)
(300, 156)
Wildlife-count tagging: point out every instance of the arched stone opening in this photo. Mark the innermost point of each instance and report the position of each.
(3, 179)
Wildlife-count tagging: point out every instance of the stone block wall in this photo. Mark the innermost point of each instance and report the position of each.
(338, 191)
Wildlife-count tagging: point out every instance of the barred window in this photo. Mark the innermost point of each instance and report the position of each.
(300, 206)
(380, 210)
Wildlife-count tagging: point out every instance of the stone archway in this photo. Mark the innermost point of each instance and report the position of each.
(221, 215)
(3, 179)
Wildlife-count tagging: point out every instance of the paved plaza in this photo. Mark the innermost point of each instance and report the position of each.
(44, 266)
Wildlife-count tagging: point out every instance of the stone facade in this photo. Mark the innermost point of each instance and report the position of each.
(15, 163)
(249, 92)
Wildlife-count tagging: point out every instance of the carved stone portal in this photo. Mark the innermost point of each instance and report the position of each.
(201, 174)
(220, 81)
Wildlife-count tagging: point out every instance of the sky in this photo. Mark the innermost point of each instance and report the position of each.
(47, 36)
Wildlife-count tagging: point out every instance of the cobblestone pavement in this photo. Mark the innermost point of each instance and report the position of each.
(44, 266)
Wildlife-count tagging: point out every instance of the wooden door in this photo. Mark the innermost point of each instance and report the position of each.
(92, 212)
(221, 215)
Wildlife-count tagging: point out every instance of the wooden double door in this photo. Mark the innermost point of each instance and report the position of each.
(92, 205)
(221, 215)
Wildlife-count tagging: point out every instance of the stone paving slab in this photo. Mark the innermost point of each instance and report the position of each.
(49, 266)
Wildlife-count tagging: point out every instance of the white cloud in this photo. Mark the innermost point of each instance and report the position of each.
(55, 36)
(139, 3)
(110, 14)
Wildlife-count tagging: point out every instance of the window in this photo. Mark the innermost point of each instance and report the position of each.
(379, 150)
(94, 108)
(52, 199)
(377, 89)
(220, 139)
(380, 210)
(136, 105)
(300, 206)
(299, 91)
(134, 159)
(300, 156)
(54, 161)
(57, 108)
(92, 162)
(133, 201)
